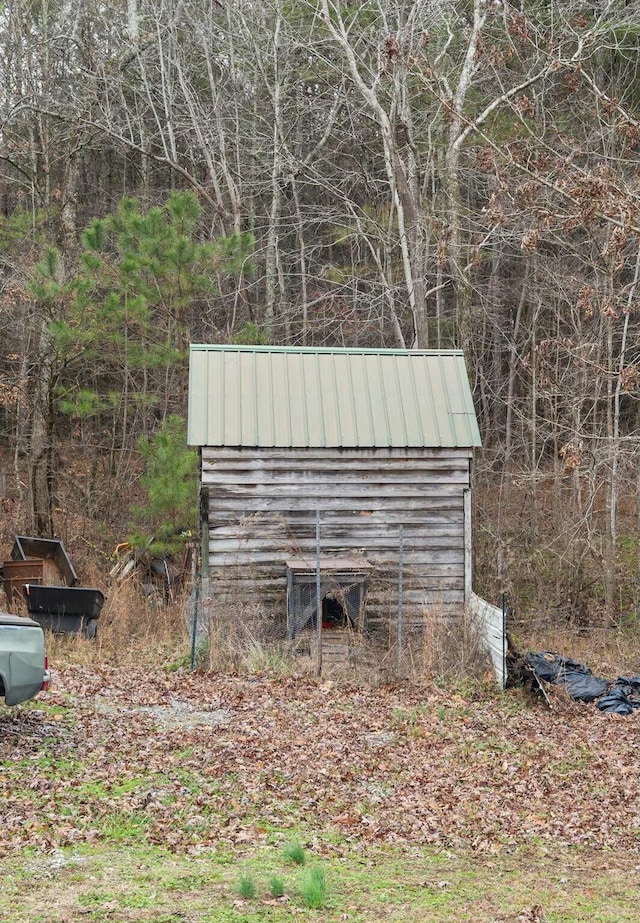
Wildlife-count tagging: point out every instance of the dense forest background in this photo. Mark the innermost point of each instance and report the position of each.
(387, 173)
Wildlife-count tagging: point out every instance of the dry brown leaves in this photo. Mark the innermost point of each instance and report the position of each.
(199, 760)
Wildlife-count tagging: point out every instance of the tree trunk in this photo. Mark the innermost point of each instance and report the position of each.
(40, 454)
(272, 282)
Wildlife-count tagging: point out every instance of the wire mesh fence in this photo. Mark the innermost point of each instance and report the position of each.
(338, 608)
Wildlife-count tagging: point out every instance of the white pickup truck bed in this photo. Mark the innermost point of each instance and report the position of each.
(24, 669)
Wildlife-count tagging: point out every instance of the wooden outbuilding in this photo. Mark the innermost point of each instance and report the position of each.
(374, 447)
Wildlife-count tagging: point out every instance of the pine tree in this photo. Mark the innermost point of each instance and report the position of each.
(169, 516)
(119, 324)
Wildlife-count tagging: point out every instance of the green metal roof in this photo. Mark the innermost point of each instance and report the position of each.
(290, 397)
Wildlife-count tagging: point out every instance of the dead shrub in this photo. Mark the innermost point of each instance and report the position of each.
(453, 649)
(131, 628)
(242, 637)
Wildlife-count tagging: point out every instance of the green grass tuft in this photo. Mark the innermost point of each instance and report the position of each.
(295, 853)
(313, 888)
(123, 827)
(246, 887)
(276, 886)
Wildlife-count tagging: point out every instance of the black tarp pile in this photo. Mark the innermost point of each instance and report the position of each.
(621, 697)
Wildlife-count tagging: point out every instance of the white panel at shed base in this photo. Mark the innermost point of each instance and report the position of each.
(490, 620)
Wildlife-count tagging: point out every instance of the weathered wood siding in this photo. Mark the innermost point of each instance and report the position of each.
(262, 510)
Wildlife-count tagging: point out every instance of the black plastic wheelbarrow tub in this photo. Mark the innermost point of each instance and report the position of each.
(69, 610)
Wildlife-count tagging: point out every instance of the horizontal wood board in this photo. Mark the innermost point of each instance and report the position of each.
(261, 507)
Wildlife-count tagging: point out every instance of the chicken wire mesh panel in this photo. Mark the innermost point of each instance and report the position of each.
(342, 601)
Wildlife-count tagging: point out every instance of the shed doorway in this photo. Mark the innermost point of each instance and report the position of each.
(333, 614)
(343, 586)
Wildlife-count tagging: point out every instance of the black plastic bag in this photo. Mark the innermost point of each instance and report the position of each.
(578, 680)
(616, 702)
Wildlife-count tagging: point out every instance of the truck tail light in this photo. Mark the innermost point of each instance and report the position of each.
(47, 675)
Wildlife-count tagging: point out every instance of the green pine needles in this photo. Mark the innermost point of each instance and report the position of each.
(119, 318)
(170, 481)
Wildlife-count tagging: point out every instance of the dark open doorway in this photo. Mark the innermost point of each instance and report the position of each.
(333, 613)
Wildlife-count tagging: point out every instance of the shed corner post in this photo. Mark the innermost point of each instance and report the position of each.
(204, 527)
(468, 550)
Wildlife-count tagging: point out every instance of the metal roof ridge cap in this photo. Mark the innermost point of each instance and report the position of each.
(311, 350)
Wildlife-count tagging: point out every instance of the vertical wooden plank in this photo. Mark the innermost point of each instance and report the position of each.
(204, 534)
